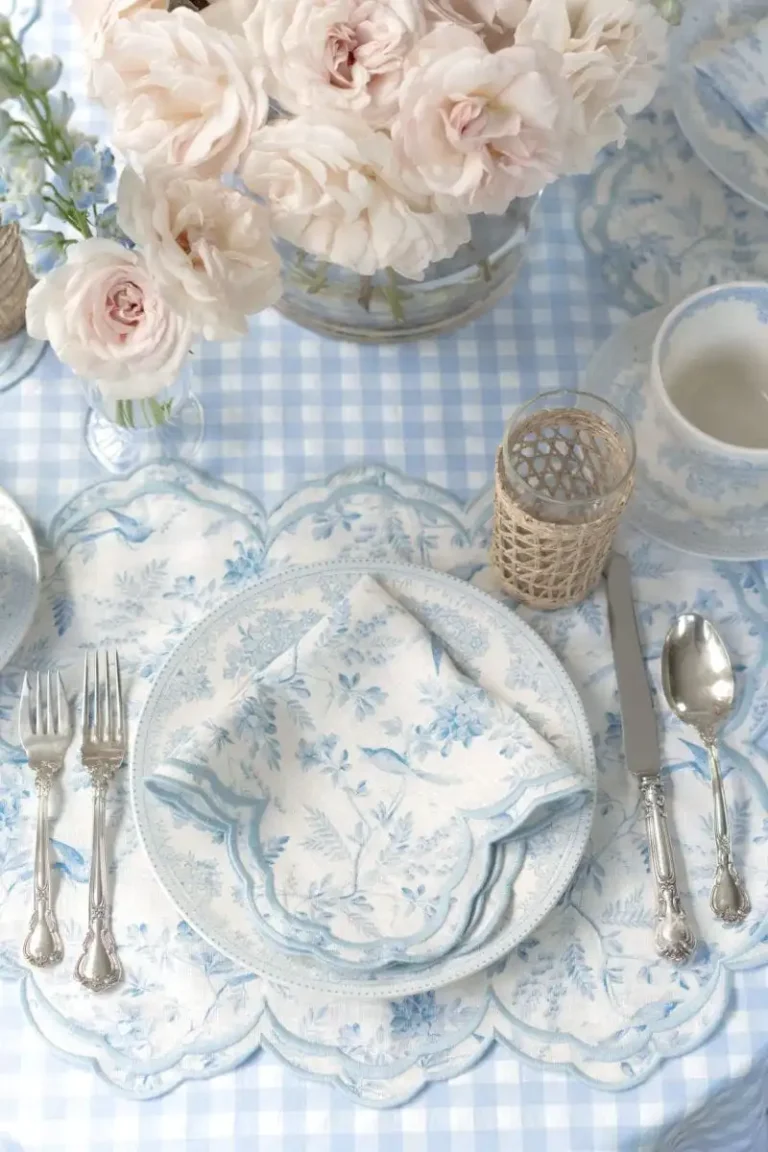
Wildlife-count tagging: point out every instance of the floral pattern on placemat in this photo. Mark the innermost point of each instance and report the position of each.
(135, 563)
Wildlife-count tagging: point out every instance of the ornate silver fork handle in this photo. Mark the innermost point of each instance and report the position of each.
(99, 967)
(104, 745)
(43, 943)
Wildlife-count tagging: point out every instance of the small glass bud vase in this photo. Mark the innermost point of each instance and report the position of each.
(18, 351)
(564, 473)
(124, 434)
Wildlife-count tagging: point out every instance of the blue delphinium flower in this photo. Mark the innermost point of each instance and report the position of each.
(85, 178)
(109, 229)
(45, 249)
(43, 72)
(21, 184)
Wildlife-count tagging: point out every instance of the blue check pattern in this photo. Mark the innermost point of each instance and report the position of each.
(283, 407)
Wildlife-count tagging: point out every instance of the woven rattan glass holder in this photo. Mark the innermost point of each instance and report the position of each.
(14, 281)
(564, 473)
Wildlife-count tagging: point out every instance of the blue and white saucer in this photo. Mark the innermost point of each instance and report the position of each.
(690, 500)
(716, 131)
(19, 576)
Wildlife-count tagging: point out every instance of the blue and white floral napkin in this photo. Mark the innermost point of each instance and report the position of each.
(365, 781)
(738, 71)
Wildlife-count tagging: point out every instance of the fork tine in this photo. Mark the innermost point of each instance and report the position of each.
(37, 728)
(119, 701)
(25, 717)
(108, 699)
(50, 725)
(96, 721)
(62, 721)
(86, 694)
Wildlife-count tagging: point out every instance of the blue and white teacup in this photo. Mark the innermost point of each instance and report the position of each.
(709, 370)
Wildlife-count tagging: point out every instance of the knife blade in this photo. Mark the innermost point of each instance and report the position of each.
(673, 936)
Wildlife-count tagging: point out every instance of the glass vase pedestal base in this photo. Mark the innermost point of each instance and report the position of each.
(121, 450)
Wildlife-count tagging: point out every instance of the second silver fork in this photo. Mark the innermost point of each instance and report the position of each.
(45, 736)
(103, 751)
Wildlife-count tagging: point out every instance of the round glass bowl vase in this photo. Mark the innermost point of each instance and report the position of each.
(387, 307)
(121, 435)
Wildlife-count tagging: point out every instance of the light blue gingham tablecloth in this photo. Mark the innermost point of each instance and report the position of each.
(283, 407)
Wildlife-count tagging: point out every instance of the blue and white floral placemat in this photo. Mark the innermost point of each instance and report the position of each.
(135, 563)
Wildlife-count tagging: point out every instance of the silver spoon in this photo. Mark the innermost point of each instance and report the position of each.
(698, 683)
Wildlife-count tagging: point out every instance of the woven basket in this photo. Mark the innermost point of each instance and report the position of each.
(544, 559)
(15, 281)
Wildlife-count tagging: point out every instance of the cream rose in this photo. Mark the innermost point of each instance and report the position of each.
(612, 52)
(96, 18)
(104, 316)
(182, 93)
(333, 188)
(210, 248)
(345, 54)
(481, 128)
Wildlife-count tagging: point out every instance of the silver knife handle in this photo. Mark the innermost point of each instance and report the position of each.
(673, 936)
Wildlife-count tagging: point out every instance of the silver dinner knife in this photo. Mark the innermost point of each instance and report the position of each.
(673, 936)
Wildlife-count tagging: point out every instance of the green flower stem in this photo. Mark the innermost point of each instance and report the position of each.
(394, 296)
(124, 417)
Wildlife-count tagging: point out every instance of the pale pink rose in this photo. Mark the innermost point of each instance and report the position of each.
(613, 52)
(489, 18)
(96, 18)
(182, 93)
(481, 128)
(209, 248)
(345, 54)
(333, 188)
(103, 314)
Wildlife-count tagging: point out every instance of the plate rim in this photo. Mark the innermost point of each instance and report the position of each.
(405, 985)
(681, 64)
(26, 617)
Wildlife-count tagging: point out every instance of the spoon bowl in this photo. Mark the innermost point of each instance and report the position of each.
(697, 673)
(699, 685)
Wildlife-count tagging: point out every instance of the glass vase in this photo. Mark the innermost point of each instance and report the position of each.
(387, 307)
(124, 434)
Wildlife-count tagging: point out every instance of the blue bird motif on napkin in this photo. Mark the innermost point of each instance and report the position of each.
(126, 527)
(387, 760)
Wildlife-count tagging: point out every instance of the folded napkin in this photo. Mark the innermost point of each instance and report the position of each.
(362, 781)
(738, 71)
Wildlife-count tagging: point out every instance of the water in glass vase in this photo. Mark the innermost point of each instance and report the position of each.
(123, 434)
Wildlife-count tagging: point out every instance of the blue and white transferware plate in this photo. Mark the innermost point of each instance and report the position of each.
(363, 782)
(660, 223)
(19, 576)
(691, 500)
(246, 633)
(721, 48)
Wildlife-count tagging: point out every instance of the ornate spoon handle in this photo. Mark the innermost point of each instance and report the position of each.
(729, 900)
(43, 943)
(99, 966)
(673, 936)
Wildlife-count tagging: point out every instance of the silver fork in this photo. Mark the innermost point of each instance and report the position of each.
(45, 734)
(103, 751)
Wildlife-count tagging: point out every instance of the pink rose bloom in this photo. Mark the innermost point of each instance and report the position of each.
(181, 92)
(208, 247)
(491, 19)
(104, 316)
(345, 54)
(613, 52)
(96, 19)
(333, 188)
(481, 128)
